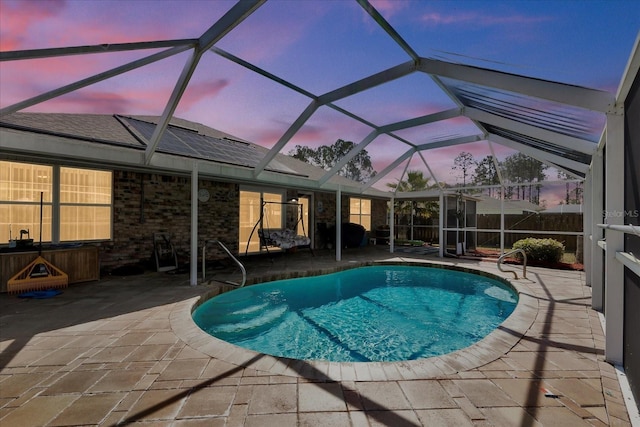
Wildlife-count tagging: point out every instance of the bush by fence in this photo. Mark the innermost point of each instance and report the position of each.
(540, 250)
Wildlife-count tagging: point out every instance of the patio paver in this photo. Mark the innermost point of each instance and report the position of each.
(124, 350)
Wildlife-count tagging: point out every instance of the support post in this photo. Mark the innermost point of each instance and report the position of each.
(586, 228)
(441, 225)
(614, 212)
(339, 223)
(193, 274)
(597, 203)
(392, 225)
(502, 220)
(413, 212)
(55, 206)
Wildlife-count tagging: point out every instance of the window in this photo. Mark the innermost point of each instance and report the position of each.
(360, 212)
(85, 204)
(304, 222)
(20, 187)
(76, 202)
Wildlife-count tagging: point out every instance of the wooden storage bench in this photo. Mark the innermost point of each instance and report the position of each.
(80, 263)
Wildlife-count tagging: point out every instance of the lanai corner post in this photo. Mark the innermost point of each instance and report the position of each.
(193, 265)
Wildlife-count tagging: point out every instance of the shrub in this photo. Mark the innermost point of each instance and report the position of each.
(540, 250)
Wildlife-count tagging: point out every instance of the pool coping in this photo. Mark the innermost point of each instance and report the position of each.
(487, 350)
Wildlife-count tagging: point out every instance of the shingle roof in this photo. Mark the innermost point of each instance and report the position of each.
(90, 127)
(182, 138)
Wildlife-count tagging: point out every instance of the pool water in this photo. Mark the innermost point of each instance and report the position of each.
(380, 313)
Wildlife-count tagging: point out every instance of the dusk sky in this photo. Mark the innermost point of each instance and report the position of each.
(318, 46)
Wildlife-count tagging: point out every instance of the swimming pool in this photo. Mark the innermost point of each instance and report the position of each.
(379, 313)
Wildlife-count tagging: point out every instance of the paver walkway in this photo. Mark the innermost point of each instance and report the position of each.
(108, 353)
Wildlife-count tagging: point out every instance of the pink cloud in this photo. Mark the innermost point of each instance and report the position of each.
(18, 17)
(388, 8)
(22, 80)
(90, 102)
(199, 91)
(288, 26)
(479, 19)
(267, 137)
(97, 101)
(311, 135)
(59, 23)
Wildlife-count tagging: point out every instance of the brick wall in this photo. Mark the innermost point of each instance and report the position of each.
(145, 204)
(379, 214)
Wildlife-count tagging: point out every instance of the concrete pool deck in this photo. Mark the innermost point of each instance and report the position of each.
(123, 350)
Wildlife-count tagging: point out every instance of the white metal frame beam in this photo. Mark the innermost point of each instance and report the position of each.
(577, 96)
(348, 157)
(91, 80)
(263, 73)
(332, 96)
(632, 69)
(404, 172)
(542, 89)
(433, 176)
(234, 16)
(561, 140)
(427, 146)
(388, 28)
(297, 89)
(284, 139)
(567, 165)
(18, 55)
(495, 163)
(368, 82)
(386, 129)
(422, 120)
(389, 168)
(449, 142)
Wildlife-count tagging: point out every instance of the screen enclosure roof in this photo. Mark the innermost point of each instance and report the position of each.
(471, 108)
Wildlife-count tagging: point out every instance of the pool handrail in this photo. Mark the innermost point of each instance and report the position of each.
(244, 271)
(524, 263)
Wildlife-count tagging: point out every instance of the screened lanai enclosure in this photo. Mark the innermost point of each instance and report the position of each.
(500, 153)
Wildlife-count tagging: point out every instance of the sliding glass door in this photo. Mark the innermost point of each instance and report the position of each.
(251, 209)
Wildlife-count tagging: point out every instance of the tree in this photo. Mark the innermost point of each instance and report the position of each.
(463, 163)
(521, 168)
(486, 173)
(358, 169)
(416, 181)
(572, 197)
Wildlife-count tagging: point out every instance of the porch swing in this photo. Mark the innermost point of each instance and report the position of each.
(286, 239)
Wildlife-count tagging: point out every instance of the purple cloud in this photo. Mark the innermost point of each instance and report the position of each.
(480, 19)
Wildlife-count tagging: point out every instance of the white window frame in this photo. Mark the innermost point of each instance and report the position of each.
(359, 215)
(55, 204)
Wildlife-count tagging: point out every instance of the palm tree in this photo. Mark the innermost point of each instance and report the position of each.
(415, 181)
